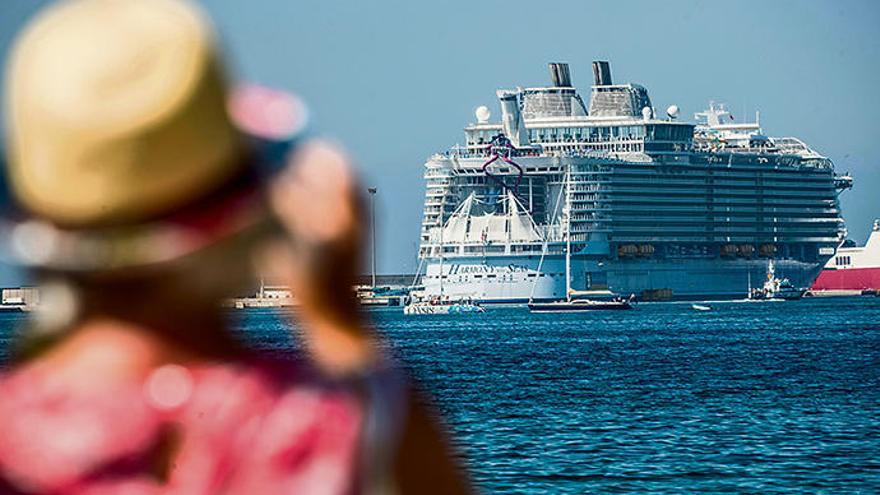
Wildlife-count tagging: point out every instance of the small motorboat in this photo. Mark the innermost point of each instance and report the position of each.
(435, 307)
(700, 307)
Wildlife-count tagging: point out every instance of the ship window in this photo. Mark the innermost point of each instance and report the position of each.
(661, 133)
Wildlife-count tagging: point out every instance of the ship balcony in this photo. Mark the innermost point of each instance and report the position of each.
(477, 150)
(437, 175)
(436, 182)
(592, 187)
(432, 249)
(579, 204)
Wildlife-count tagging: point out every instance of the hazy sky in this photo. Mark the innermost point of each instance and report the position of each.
(396, 81)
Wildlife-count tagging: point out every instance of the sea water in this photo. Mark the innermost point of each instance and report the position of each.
(769, 397)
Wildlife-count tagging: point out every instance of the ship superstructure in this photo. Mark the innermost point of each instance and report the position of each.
(656, 207)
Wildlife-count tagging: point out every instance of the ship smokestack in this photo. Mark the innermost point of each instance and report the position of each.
(601, 73)
(559, 74)
(511, 118)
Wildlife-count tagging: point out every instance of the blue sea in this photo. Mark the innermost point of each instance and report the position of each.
(770, 397)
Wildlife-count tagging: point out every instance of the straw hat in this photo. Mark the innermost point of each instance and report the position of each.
(117, 116)
(116, 112)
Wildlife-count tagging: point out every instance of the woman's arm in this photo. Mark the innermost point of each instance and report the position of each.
(318, 201)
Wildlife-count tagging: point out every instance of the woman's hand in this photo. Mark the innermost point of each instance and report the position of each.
(317, 200)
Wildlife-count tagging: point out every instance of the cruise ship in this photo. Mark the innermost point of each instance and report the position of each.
(646, 204)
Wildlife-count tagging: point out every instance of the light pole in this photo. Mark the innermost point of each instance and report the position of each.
(372, 192)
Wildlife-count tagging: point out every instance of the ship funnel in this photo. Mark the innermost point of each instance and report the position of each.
(601, 73)
(560, 75)
(511, 118)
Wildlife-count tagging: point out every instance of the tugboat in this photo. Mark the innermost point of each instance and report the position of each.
(775, 288)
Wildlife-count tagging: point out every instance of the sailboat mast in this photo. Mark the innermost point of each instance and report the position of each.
(441, 251)
(568, 233)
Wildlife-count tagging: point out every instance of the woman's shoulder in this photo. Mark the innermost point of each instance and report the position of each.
(255, 421)
(53, 435)
(277, 423)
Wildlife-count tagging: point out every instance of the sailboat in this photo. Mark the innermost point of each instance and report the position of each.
(574, 301)
(440, 305)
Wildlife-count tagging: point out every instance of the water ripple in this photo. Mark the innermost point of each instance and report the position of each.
(747, 398)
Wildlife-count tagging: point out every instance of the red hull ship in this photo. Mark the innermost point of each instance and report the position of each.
(852, 270)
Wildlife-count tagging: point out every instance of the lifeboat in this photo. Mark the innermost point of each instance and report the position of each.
(767, 250)
(627, 250)
(746, 250)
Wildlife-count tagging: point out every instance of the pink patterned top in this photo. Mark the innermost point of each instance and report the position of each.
(250, 428)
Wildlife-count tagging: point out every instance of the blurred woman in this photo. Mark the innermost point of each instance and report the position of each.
(140, 206)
